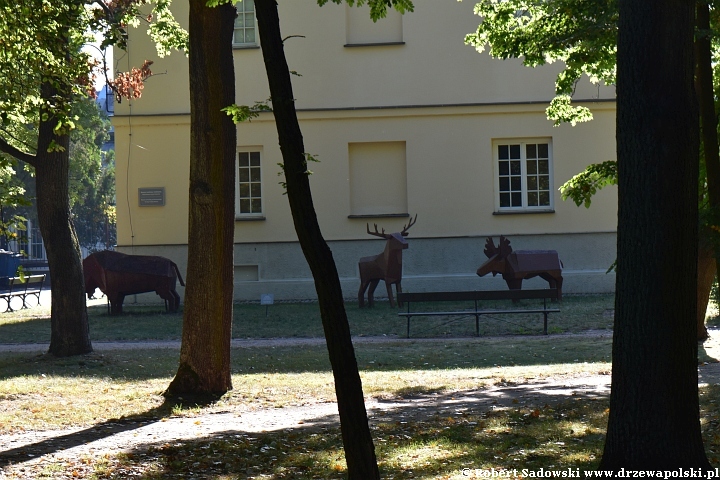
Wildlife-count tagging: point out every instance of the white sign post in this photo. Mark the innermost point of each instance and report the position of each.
(267, 299)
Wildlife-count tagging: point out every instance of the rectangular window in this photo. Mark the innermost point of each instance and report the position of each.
(245, 28)
(524, 175)
(361, 30)
(378, 178)
(249, 185)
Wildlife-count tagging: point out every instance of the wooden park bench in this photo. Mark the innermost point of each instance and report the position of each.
(478, 296)
(23, 287)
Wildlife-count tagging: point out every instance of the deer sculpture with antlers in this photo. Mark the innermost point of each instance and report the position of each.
(519, 265)
(386, 266)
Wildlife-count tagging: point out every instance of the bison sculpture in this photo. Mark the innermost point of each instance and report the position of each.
(517, 266)
(117, 275)
(386, 266)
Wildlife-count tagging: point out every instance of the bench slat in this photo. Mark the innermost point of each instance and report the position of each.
(23, 287)
(479, 312)
(475, 296)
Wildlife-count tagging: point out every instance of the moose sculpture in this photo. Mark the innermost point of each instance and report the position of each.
(386, 266)
(117, 275)
(517, 266)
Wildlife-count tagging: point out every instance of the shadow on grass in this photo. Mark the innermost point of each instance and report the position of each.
(430, 436)
(91, 434)
(395, 355)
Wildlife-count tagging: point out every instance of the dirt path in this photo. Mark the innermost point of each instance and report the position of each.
(23, 454)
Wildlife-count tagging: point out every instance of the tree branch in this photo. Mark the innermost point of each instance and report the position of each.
(19, 154)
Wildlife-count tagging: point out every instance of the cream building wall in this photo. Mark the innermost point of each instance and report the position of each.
(409, 127)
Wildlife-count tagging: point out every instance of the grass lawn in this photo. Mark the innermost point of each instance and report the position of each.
(577, 313)
(106, 387)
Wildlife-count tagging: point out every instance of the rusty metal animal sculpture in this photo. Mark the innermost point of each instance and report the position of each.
(386, 266)
(117, 275)
(517, 266)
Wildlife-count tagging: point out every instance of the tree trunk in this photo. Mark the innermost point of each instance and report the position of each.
(69, 331)
(357, 440)
(205, 352)
(654, 414)
(711, 148)
(706, 277)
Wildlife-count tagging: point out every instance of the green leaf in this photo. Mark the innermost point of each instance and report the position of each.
(585, 184)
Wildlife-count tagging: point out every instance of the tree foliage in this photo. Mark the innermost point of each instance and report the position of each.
(580, 33)
(581, 188)
(43, 71)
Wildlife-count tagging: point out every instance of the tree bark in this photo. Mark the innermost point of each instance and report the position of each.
(654, 414)
(69, 330)
(205, 352)
(357, 440)
(706, 277)
(711, 148)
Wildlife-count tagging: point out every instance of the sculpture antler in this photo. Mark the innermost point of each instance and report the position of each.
(490, 248)
(376, 233)
(504, 247)
(405, 229)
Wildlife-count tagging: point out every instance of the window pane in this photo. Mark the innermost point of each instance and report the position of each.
(240, 21)
(244, 206)
(254, 174)
(543, 167)
(243, 159)
(256, 205)
(249, 5)
(250, 35)
(504, 168)
(244, 175)
(531, 167)
(503, 152)
(250, 20)
(255, 159)
(544, 198)
(515, 168)
(255, 190)
(516, 199)
(244, 190)
(514, 151)
(543, 150)
(515, 184)
(504, 184)
(532, 183)
(544, 183)
(530, 151)
(532, 199)
(504, 199)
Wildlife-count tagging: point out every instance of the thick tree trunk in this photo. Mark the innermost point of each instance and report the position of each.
(711, 149)
(205, 352)
(69, 332)
(654, 414)
(357, 440)
(706, 276)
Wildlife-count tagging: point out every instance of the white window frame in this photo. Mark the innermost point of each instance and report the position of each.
(504, 184)
(244, 13)
(250, 182)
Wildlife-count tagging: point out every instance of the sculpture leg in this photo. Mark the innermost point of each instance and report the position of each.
(553, 282)
(361, 293)
(559, 280)
(177, 300)
(169, 300)
(514, 284)
(398, 290)
(371, 291)
(116, 301)
(390, 294)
